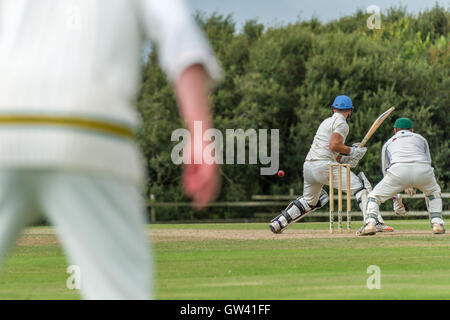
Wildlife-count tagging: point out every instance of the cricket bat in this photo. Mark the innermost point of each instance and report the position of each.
(375, 126)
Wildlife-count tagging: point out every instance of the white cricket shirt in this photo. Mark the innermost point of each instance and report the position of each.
(405, 147)
(320, 148)
(69, 73)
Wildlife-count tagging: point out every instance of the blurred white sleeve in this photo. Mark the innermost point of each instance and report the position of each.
(180, 42)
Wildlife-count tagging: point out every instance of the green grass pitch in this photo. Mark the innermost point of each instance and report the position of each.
(245, 261)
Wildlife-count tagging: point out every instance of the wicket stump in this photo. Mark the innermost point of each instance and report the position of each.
(331, 180)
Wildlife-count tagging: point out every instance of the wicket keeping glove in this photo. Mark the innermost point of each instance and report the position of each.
(399, 207)
(410, 191)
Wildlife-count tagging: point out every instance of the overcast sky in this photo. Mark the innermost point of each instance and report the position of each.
(273, 12)
(276, 12)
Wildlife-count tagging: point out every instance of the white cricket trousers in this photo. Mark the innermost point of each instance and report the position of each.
(100, 222)
(401, 176)
(316, 175)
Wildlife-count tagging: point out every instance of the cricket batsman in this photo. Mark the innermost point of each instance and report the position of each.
(329, 147)
(406, 165)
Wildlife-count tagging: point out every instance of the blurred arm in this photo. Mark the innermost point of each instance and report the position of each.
(191, 67)
(179, 40)
(192, 90)
(201, 181)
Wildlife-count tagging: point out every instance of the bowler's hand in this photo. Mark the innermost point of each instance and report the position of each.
(201, 182)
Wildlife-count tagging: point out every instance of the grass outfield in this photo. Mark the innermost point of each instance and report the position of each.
(246, 261)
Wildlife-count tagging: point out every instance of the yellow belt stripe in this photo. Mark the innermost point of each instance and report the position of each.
(89, 124)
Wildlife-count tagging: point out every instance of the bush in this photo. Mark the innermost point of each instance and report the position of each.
(287, 77)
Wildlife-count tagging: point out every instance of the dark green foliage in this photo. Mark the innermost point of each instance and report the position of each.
(287, 77)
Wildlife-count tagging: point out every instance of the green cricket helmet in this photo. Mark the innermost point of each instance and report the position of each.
(403, 123)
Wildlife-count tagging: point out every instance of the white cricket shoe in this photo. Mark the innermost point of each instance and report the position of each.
(369, 229)
(438, 228)
(381, 227)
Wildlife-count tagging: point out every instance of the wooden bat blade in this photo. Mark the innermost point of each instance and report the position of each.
(375, 126)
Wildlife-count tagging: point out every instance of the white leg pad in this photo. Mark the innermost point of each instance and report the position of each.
(434, 205)
(373, 210)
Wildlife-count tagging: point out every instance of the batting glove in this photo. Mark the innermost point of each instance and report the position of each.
(356, 154)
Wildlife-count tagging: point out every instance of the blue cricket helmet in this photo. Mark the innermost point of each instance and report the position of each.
(342, 103)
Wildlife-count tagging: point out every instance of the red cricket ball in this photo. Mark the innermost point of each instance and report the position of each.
(281, 173)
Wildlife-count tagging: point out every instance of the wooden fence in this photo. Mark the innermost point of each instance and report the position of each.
(282, 201)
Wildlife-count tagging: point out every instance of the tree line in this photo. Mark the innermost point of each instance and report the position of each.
(286, 77)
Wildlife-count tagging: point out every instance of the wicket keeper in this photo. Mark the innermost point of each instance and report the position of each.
(406, 165)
